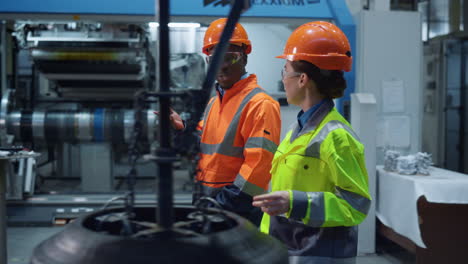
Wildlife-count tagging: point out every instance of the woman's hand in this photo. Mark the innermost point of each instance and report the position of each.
(175, 119)
(274, 203)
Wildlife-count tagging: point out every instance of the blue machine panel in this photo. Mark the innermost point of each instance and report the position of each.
(260, 8)
(335, 10)
(318, 9)
(106, 7)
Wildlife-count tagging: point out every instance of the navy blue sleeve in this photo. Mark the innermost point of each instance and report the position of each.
(231, 198)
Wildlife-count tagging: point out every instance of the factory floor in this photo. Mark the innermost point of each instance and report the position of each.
(22, 240)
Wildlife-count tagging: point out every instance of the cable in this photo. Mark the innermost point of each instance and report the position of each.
(206, 200)
(113, 199)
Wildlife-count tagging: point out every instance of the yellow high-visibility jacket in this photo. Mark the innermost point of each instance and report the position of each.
(323, 168)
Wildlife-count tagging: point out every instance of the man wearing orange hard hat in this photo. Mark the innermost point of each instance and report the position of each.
(319, 178)
(239, 131)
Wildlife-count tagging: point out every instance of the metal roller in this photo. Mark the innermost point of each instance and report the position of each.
(98, 125)
(86, 55)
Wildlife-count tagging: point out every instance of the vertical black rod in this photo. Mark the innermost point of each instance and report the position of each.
(462, 108)
(367, 5)
(3, 57)
(428, 15)
(465, 15)
(3, 216)
(164, 213)
(443, 71)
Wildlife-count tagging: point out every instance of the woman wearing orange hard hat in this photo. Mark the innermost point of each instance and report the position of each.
(319, 179)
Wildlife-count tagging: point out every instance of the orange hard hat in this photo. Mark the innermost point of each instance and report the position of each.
(214, 31)
(320, 43)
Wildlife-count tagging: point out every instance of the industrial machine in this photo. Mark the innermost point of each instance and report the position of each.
(445, 101)
(76, 105)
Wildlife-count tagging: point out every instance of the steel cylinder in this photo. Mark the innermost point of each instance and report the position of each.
(97, 125)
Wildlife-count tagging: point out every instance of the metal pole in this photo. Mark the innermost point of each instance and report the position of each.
(3, 57)
(165, 153)
(428, 15)
(462, 108)
(165, 188)
(464, 13)
(454, 16)
(3, 219)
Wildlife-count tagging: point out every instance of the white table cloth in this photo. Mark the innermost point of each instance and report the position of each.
(397, 197)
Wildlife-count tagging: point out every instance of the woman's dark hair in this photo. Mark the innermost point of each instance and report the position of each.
(330, 83)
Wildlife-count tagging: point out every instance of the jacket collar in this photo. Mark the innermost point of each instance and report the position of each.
(314, 120)
(239, 86)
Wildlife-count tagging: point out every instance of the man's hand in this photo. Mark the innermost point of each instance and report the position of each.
(274, 203)
(176, 121)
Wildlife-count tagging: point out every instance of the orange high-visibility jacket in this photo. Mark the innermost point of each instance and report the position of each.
(240, 134)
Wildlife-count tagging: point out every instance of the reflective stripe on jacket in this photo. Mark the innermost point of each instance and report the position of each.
(323, 167)
(240, 134)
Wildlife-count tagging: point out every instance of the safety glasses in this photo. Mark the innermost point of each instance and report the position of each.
(230, 58)
(285, 74)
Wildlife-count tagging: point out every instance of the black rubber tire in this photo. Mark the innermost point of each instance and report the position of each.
(79, 244)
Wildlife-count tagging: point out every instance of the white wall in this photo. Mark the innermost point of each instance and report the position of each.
(390, 52)
(377, 5)
(354, 6)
